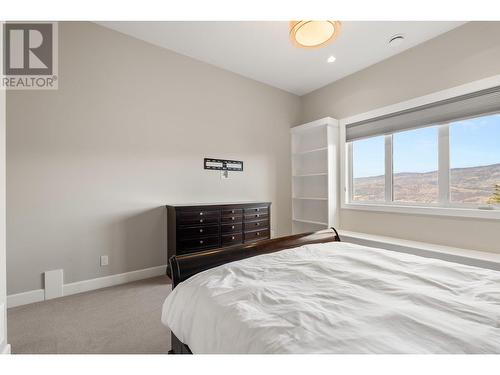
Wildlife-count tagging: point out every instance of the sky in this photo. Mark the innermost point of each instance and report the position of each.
(473, 142)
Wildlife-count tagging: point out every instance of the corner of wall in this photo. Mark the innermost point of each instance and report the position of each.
(4, 347)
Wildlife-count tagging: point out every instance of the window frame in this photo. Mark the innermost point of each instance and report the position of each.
(444, 206)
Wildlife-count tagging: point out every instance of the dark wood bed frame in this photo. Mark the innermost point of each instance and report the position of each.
(185, 266)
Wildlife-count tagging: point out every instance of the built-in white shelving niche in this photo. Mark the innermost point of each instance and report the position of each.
(314, 175)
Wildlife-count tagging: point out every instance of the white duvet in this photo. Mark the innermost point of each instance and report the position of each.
(337, 298)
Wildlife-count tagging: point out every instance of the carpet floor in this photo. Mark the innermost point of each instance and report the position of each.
(123, 319)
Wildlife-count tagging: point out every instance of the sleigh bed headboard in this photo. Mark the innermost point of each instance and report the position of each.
(184, 266)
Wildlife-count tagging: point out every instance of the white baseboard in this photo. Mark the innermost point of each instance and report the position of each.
(38, 295)
(6, 349)
(121, 278)
(25, 298)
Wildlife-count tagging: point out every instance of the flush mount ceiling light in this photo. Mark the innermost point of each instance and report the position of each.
(313, 34)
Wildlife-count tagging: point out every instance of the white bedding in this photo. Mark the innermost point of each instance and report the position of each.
(337, 298)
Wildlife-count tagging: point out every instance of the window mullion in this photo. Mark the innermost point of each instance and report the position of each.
(388, 169)
(444, 165)
(350, 186)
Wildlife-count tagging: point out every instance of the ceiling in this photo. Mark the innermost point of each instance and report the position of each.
(261, 50)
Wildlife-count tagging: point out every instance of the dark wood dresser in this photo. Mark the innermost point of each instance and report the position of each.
(209, 226)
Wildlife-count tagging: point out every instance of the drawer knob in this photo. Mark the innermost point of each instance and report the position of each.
(232, 211)
(258, 233)
(232, 237)
(232, 227)
(257, 224)
(201, 242)
(232, 217)
(201, 230)
(201, 220)
(257, 215)
(201, 213)
(257, 209)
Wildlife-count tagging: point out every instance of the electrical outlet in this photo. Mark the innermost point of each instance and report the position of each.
(104, 260)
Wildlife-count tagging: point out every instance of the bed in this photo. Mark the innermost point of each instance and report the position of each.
(312, 293)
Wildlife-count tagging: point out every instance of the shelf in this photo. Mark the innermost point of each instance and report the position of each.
(311, 198)
(310, 151)
(310, 174)
(310, 221)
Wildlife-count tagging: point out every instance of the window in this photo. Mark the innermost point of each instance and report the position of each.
(440, 155)
(368, 163)
(475, 160)
(415, 166)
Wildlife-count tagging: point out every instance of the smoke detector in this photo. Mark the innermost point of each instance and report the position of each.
(396, 40)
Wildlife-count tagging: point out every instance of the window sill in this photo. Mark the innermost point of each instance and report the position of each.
(451, 254)
(419, 210)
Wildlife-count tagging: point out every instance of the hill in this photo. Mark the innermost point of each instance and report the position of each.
(467, 185)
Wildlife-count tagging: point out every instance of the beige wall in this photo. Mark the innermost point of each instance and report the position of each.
(468, 53)
(90, 166)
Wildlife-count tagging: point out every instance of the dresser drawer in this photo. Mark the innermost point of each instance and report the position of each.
(193, 211)
(232, 211)
(198, 243)
(231, 228)
(257, 235)
(232, 239)
(257, 216)
(257, 210)
(231, 219)
(200, 231)
(256, 225)
(198, 217)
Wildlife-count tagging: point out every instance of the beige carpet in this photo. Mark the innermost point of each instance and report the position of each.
(120, 319)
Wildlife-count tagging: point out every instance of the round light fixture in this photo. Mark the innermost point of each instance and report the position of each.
(331, 59)
(313, 34)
